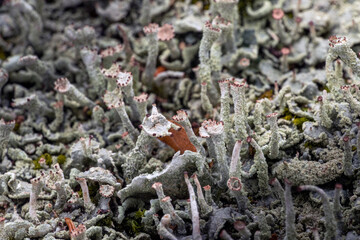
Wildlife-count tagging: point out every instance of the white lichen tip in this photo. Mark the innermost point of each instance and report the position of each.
(208, 26)
(106, 191)
(166, 199)
(35, 181)
(154, 110)
(124, 79)
(62, 85)
(3, 75)
(113, 99)
(244, 62)
(285, 51)
(53, 177)
(237, 84)
(156, 124)
(345, 88)
(166, 32)
(225, 81)
(8, 125)
(221, 22)
(110, 51)
(234, 184)
(211, 128)
(28, 60)
(166, 220)
(180, 116)
(272, 115)
(337, 41)
(278, 13)
(18, 102)
(81, 229)
(156, 185)
(143, 97)
(112, 72)
(151, 28)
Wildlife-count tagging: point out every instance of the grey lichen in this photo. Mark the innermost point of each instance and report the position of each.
(93, 144)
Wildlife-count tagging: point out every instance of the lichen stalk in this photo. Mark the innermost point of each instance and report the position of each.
(167, 207)
(234, 170)
(205, 101)
(337, 210)
(36, 186)
(238, 94)
(289, 213)
(89, 206)
(163, 228)
(348, 166)
(151, 32)
(63, 86)
(208, 196)
(195, 218)
(244, 231)
(325, 120)
(260, 167)
(275, 136)
(330, 223)
(205, 208)
(235, 186)
(224, 85)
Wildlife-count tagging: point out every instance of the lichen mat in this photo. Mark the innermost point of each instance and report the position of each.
(142, 119)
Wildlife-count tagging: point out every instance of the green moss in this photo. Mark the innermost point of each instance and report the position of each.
(36, 164)
(287, 115)
(290, 15)
(80, 193)
(133, 222)
(312, 145)
(61, 159)
(140, 213)
(16, 127)
(267, 94)
(2, 54)
(93, 190)
(107, 222)
(299, 121)
(133, 226)
(48, 161)
(324, 88)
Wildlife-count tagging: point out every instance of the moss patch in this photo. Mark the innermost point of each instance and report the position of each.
(61, 159)
(2, 54)
(287, 115)
(298, 122)
(48, 161)
(133, 222)
(267, 94)
(312, 145)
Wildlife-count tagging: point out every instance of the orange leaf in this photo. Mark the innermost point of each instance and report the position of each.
(159, 69)
(70, 224)
(179, 141)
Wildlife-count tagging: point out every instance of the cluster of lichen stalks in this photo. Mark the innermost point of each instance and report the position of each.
(111, 166)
